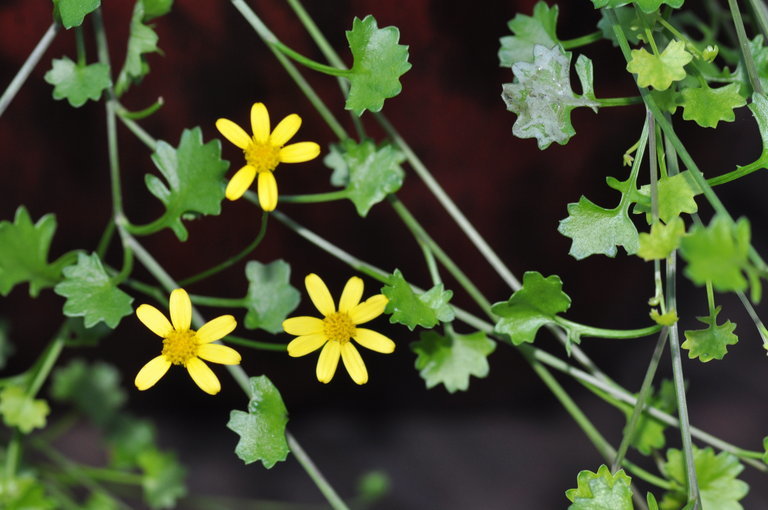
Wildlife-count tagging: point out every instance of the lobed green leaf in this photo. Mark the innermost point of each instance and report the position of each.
(659, 71)
(713, 341)
(661, 241)
(451, 360)
(162, 478)
(596, 230)
(92, 388)
(411, 309)
(601, 491)
(142, 40)
(271, 297)
(72, 12)
(78, 83)
(529, 31)
(20, 410)
(707, 106)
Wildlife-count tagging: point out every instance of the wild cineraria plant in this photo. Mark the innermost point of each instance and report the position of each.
(689, 64)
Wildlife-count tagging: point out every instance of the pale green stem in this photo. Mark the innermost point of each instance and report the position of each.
(761, 329)
(746, 53)
(577, 42)
(26, 68)
(137, 130)
(761, 15)
(309, 466)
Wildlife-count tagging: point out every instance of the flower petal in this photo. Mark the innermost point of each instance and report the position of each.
(303, 325)
(368, 309)
(305, 344)
(354, 363)
(240, 182)
(350, 296)
(233, 133)
(374, 341)
(328, 361)
(267, 191)
(217, 353)
(285, 130)
(154, 319)
(299, 152)
(319, 294)
(216, 329)
(152, 372)
(181, 310)
(203, 376)
(260, 122)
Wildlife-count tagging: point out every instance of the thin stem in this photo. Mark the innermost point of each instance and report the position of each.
(740, 172)
(253, 344)
(12, 457)
(590, 331)
(125, 113)
(111, 475)
(80, 46)
(26, 68)
(137, 130)
(761, 329)
(309, 24)
(746, 53)
(314, 198)
(315, 66)
(335, 501)
(761, 15)
(584, 40)
(106, 238)
(50, 356)
(619, 101)
(217, 302)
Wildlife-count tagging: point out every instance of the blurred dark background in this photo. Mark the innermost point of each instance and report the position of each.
(505, 443)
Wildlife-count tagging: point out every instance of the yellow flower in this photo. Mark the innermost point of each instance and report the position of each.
(334, 332)
(263, 152)
(183, 346)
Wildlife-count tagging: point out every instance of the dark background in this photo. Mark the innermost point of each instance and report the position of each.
(506, 443)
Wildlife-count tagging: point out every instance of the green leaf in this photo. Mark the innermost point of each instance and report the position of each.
(378, 63)
(451, 360)
(662, 240)
(718, 253)
(92, 294)
(270, 296)
(24, 253)
(72, 12)
(162, 478)
(627, 18)
(368, 173)
(595, 230)
(649, 432)
(529, 31)
(24, 492)
(659, 71)
(262, 428)
(92, 388)
(155, 8)
(715, 474)
(100, 501)
(759, 109)
(128, 437)
(542, 98)
(194, 173)
(77, 83)
(411, 309)
(765, 449)
(709, 106)
(675, 195)
(713, 341)
(534, 305)
(647, 6)
(19, 410)
(601, 491)
(142, 40)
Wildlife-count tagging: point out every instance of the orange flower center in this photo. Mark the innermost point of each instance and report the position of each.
(264, 157)
(180, 346)
(338, 327)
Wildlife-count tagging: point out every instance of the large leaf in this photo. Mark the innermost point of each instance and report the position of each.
(707, 106)
(451, 360)
(659, 71)
(92, 388)
(270, 297)
(596, 230)
(411, 309)
(78, 83)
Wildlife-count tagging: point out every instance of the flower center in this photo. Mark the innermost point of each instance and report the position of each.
(338, 327)
(264, 157)
(180, 346)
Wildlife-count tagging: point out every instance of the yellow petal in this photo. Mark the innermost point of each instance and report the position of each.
(203, 376)
(319, 294)
(373, 340)
(216, 329)
(154, 319)
(151, 372)
(368, 309)
(233, 133)
(267, 191)
(328, 361)
(303, 325)
(305, 344)
(217, 353)
(285, 130)
(181, 310)
(299, 152)
(354, 363)
(260, 122)
(240, 182)
(350, 296)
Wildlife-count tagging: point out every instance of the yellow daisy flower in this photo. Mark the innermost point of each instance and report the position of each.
(334, 332)
(183, 346)
(263, 152)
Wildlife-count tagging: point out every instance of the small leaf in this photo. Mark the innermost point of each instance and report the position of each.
(155, 8)
(709, 106)
(194, 172)
(529, 31)
(262, 428)
(662, 240)
(595, 230)
(24, 492)
(601, 491)
(142, 40)
(542, 98)
(21, 411)
(411, 309)
(270, 297)
(664, 319)
(72, 12)
(451, 360)
(647, 6)
(659, 71)
(162, 478)
(77, 84)
(100, 501)
(24, 253)
(534, 305)
(92, 294)
(128, 437)
(92, 388)
(378, 63)
(713, 341)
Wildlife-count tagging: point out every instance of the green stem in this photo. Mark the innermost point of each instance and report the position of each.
(584, 40)
(315, 66)
(590, 331)
(217, 302)
(111, 475)
(137, 130)
(680, 37)
(761, 15)
(761, 329)
(106, 238)
(80, 47)
(746, 53)
(147, 228)
(619, 101)
(253, 344)
(50, 356)
(127, 268)
(740, 172)
(26, 68)
(146, 289)
(315, 197)
(335, 501)
(309, 24)
(12, 458)
(124, 113)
